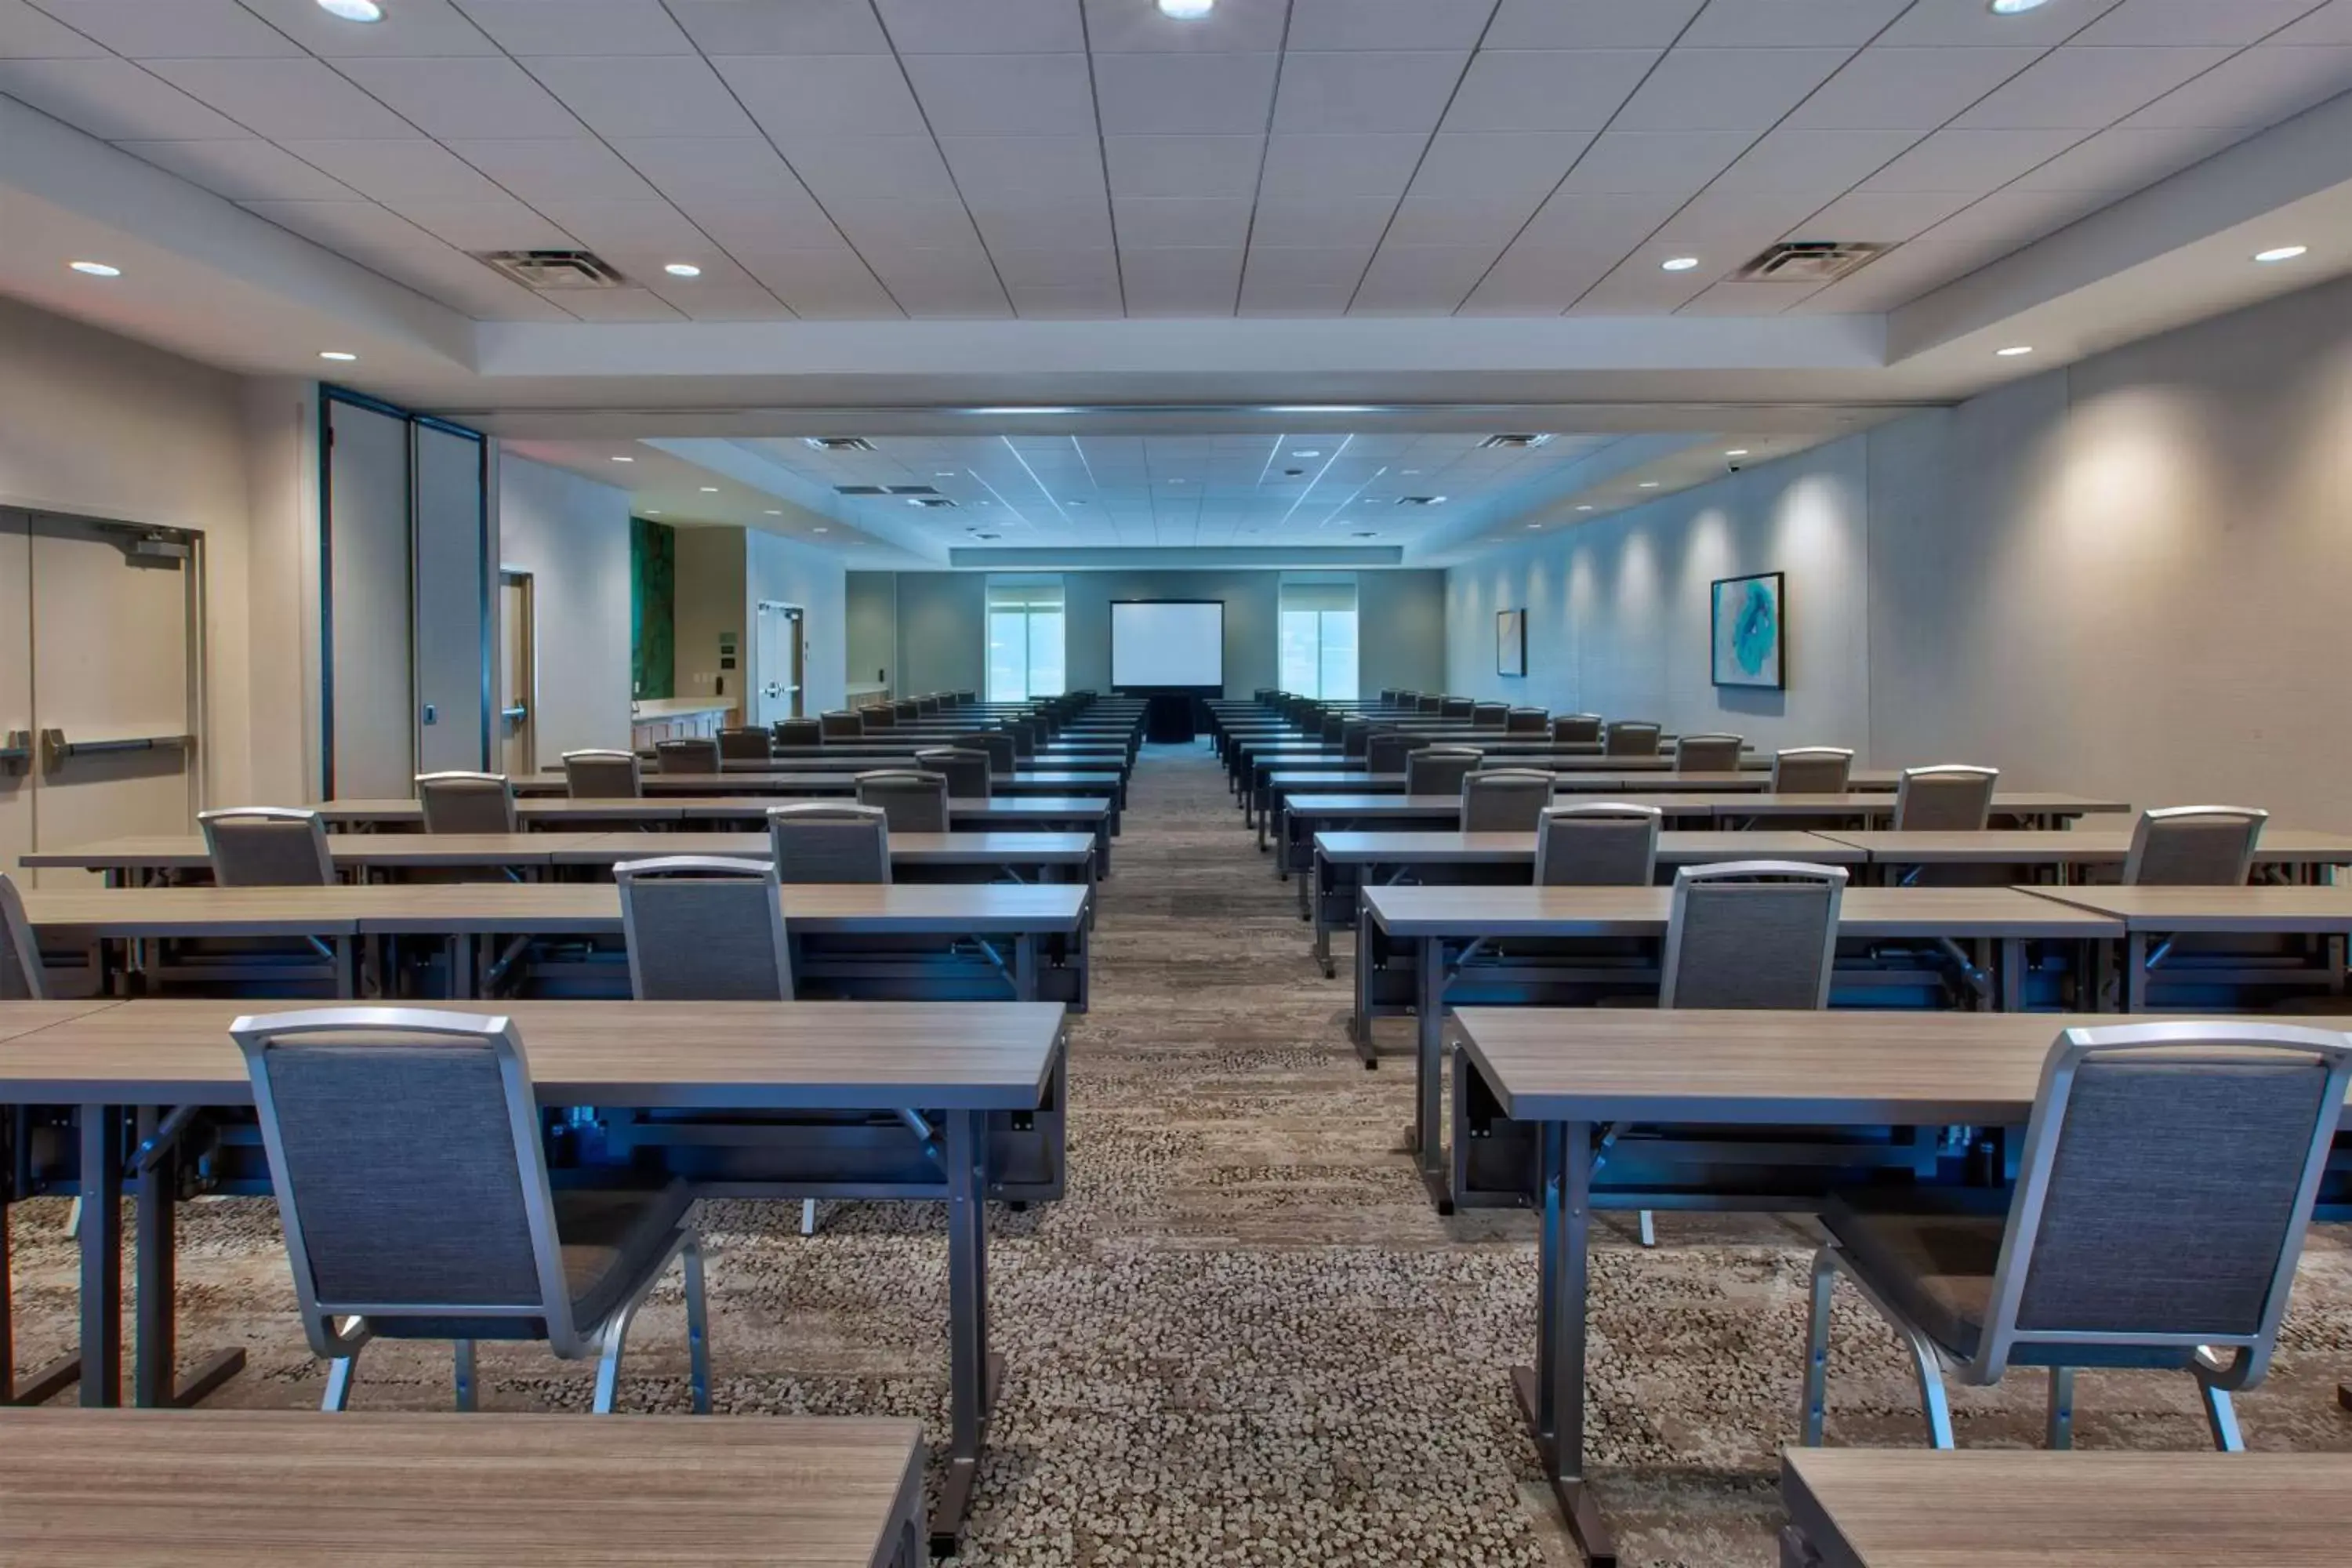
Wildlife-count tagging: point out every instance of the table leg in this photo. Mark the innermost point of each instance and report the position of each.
(101, 1256)
(1551, 1393)
(154, 1366)
(2136, 973)
(1024, 967)
(2012, 975)
(1322, 924)
(973, 1374)
(1361, 1031)
(1427, 1137)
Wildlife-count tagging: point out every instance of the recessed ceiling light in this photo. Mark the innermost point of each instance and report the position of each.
(1186, 10)
(2015, 7)
(683, 270)
(97, 268)
(1535, 525)
(1437, 501)
(943, 473)
(1649, 484)
(820, 529)
(1736, 452)
(2283, 253)
(1679, 263)
(773, 512)
(339, 355)
(619, 459)
(710, 490)
(1310, 452)
(1408, 470)
(1175, 481)
(653, 511)
(1584, 509)
(354, 10)
(2016, 350)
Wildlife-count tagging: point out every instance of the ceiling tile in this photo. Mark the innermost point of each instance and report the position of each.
(1182, 94)
(1191, 280)
(1321, 224)
(1349, 91)
(1784, 23)
(246, 171)
(550, 170)
(1546, 89)
(1642, 161)
(1588, 220)
(1064, 267)
(1498, 165)
(173, 29)
(1421, 279)
(1538, 279)
(1183, 166)
(1590, 24)
(2253, 88)
(1005, 94)
(1238, 26)
(795, 28)
(116, 101)
(1332, 168)
(646, 263)
(868, 168)
(1964, 22)
(1637, 286)
(735, 172)
(825, 95)
(1303, 282)
(1981, 234)
(29, 35)
(2089, 88)
(1885, 217)
(1731, 226)
(1916, 88)
(579, 27)
(1387, 23)
(2237, 22)
(1727, 90)
(998, 167)
(1490, 225)
(620, 305)
(738, 302)
(340, 225)
(1819, 163)
(1036, 224)
(416, 169)
(501, 222)
(467, 96)
(1000, 27)
(623, 226)
(1971, 160)
(458, 281)
(1738, 297)
(411, 29)
(282, 98)
(2331, 23)
(823, 283)
(661, 95)
(878, 226)
(2121, 159)
(1067, 301)
(1163, 221)
(948, 284)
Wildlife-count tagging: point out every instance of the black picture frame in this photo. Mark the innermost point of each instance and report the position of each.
(1727, 665)
(1511, 643)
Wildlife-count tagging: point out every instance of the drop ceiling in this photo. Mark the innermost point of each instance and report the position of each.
(874, 159)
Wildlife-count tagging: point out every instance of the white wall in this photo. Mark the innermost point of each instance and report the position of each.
(2128, 576)
(782, 570)
(573, 535)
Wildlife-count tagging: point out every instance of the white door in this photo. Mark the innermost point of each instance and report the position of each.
(450, 576)
(778, 670)
(518, 687)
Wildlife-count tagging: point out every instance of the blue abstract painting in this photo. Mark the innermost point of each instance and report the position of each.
(1750, 627)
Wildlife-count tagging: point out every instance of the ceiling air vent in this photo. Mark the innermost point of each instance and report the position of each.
(550, 271)
(1514, 443)
(988, 536)
(914, 489)
(839, 442)
(1811, 261)
(935, 503)
(859, 491)
(1419, 500)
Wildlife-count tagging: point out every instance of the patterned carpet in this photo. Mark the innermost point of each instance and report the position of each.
(1244, 1339)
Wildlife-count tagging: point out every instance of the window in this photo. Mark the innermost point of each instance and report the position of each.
(1024, 638)
(1318, 638)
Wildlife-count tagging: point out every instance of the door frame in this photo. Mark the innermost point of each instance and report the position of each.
(798, 670)
(530, 583)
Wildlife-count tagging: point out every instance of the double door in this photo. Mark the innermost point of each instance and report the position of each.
(98, 704)
(778, 663)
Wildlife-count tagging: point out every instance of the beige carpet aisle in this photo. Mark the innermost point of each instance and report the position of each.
(1244, 1339)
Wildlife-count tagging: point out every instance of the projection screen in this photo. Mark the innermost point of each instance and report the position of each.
(1168, 642)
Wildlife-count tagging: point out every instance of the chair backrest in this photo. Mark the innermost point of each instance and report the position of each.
(1004, 755)
(687, 754)
(403, 1146)
(840, 725)
(1949, 798)
(1440, 770)
(1503, 800)
(1489, 715)
(822, 842)
(1331, 728)
(1455, 708)
(1812, 769)
(1355, 738)
(1429, 702)
(268, 847)
(467, 803)
(21, 978)
(1630, 738)
(2194, 847)
(800, 732)
(703, 928)
(744, 745)
(603, 775)
(966, 771)
(1526, 721)
(912, 801)
(1751, 933)
(880, 716)
(927, 705)
(1597, 844)
(1386, 750)
(1576, 728)
(907, 708)
(1707, 753)
(2163, 1189)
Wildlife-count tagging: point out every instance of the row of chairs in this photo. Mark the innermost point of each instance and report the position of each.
(1951, 798)
(620, 775)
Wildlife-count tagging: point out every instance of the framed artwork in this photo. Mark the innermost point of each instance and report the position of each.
(1750, 630)
(1510, 642)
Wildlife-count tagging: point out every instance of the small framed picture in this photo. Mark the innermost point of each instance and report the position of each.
(1510, 642)
(1750, 631)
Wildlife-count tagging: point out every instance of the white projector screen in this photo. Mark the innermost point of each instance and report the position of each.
(1166, 642)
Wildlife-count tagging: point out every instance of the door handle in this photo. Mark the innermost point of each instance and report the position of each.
(17, 753)
(56, 751)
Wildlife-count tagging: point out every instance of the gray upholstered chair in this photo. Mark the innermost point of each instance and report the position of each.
(745, 745)
(1707, 753)
(2194, 847)
(1812, 769)
(1630, 738)
(1003, 755)
(927, 705)
(1026, 734)
(1597, 844)
(907, 708)
(913, 800)
(1527, 722)
(2163, 1188)
(1949, 798)
(268, 847)
(966, 771)
(1490, 715)
(1440, 770)
(1455, 708)
(1505, 800)
(703, 928)
(1355, 738)
(406, 1150)
(1751, 933)
(467, 803)
(603, 775)
(840, 725)
(798, 734)
(687, 754)
(879, 716)
(1330, 728)
(22, 978)
(1385, 751)
(1576, 728)
(1429, 702)
(823, 842)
